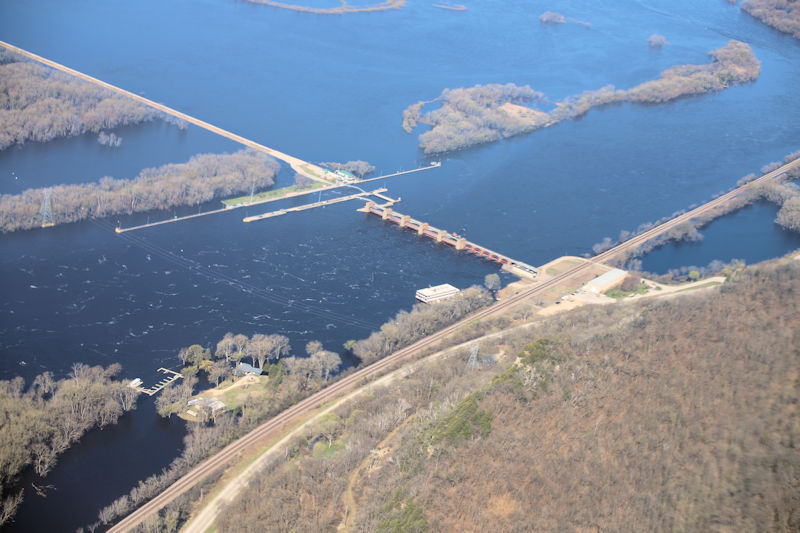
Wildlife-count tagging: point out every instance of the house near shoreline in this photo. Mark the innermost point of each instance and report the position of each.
(243, 369)
(208, 405)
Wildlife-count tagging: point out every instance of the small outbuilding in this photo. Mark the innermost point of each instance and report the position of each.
(209, 404)
(607, 281)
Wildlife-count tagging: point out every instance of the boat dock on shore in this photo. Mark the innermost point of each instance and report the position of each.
(171, 376)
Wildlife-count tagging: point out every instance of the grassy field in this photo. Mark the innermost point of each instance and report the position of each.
(273, 194)
(618, 292)
(562, 265)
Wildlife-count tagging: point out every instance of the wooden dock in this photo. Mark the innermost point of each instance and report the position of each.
(377, 193)
(171, 376)
(439, 235)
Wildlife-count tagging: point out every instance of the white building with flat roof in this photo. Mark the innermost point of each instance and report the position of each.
(437, 293)
(607, 281)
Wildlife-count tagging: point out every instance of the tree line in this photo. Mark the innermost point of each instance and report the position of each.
(410, 326)
(482, 114)
(40, 104)
(783, 15)
(199, 180)
(42, 420)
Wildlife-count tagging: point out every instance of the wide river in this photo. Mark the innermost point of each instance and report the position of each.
(333, 88)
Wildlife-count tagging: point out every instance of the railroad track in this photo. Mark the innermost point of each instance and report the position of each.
(312, 402)
(301, 408)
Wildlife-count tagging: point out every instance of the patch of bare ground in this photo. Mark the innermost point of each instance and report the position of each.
(527, 114)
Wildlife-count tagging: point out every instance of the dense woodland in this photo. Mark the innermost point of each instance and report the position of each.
(670, 415)
(482, 114)
(41, 104)
(783, 15)
(41, 421)
(202, 178)
(292, 377)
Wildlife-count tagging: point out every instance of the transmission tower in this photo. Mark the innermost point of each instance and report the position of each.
(473, 357)
(46, 213)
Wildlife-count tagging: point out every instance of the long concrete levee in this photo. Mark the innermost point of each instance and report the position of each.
(322, 203)
(301, 167)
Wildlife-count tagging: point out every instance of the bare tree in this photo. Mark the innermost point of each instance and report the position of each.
(240, 341)
(300, 368)
(226, 346)
(259, 349)
(9, 507)
(219, 371)
(183, 355)
(279, 346)
(43, 385)
(327, 362)
(313, 347)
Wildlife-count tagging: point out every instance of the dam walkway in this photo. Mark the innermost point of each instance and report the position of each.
(458, 242)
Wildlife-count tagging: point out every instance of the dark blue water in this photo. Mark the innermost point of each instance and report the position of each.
(90, 472)
(82, 159)
(333, 89)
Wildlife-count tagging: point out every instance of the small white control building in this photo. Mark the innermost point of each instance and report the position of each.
(437, 293)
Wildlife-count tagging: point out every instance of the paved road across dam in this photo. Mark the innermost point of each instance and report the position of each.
(278, 424)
